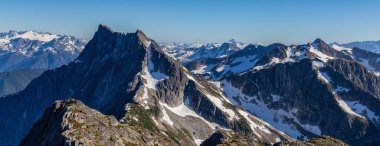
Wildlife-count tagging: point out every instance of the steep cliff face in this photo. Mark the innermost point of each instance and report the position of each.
(129, 76)
(369, 59)
(310, 98)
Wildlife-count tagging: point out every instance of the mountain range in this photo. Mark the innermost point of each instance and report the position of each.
(24, 55)
(185, 52)
(126, 89)
(290, 87)
(373, 46)
(37, 50)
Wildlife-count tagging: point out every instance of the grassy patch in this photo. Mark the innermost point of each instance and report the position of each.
(243, 126)
(97, 134)
(173, 135)
(143, 116)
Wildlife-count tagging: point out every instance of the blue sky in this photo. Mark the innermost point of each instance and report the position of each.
(265, 21)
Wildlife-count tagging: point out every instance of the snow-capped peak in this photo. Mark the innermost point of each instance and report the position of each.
(31, 35)
(24, 46)
(232, 41)
(29, 42)
(237, 44)
(185, 52)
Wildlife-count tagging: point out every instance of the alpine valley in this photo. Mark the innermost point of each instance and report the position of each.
(127, 89)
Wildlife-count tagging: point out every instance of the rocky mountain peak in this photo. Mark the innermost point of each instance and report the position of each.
(104, 28)
(319, 41)
(276, 45)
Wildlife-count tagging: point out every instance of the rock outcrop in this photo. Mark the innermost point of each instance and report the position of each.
(319, 141)
(70, 122)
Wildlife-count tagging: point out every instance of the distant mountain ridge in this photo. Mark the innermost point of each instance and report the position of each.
(20, 50)
(186, 52)
(373, 46)
(24, 55)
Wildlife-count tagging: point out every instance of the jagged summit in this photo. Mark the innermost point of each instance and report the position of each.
(104, 28)
(104, 31)
(319, 41)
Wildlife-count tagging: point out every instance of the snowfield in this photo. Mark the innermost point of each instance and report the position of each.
(271, 116)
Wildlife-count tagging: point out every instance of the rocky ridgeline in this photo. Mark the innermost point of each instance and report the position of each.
(128, 77)
(70, 122)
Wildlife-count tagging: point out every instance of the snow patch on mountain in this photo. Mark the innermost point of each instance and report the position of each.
(321, 75)
(243, 64)
(341, 89)
(45, 37)
(31, 35)
(219, 103)
(365, 63)
(341, 48)
(363, 110)
(256, 106)
(184, 110)
(318, 64)
(198, 141)
(151, 76)
(220, 68)
(275, 98)
(204, 69)
(292, 55)
(166, 118)
(319, 54)
(252, 124)
(347, 108)
(324, 76)
(145, 97)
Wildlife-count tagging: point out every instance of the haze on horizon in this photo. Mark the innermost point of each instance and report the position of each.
(289, 22)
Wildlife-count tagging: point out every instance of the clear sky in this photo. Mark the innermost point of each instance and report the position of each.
(265, 21)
